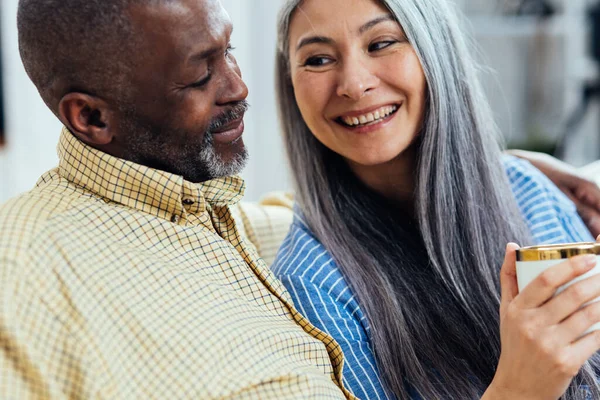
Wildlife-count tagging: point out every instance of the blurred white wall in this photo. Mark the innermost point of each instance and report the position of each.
(32, 130)
(254, 37)
(540, 67)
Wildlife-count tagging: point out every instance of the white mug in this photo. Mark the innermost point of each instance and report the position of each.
(532, 261)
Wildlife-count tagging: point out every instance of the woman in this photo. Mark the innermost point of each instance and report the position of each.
(405, 208)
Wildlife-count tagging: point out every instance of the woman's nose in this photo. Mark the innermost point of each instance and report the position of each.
(356, 79)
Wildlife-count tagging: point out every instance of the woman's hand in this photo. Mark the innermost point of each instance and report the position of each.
(582, 191)
(542, 346)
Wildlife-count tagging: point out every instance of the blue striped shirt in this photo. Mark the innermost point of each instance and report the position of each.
(320, 292)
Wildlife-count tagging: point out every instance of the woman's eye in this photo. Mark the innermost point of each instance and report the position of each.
(317, 61)
(381, 45)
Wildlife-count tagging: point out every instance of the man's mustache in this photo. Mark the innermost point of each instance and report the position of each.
(235, 112)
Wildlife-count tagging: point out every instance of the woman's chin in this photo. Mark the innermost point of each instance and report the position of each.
(371, 160)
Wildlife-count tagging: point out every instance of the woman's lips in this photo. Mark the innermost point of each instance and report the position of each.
(369, 121)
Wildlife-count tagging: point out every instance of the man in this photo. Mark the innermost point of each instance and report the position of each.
(123, 273)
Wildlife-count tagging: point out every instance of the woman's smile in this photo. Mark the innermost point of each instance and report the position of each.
(358, 82)
(368, 120)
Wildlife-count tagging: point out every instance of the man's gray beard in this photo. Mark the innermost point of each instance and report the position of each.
(149, 145)
(215, 166)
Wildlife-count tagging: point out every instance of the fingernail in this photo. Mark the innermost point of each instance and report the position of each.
(512, 245)
(587, 261)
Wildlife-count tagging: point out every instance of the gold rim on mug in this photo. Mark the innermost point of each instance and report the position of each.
(557, 251)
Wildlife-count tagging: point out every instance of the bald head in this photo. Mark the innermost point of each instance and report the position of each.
(150, 81)
(76, 45)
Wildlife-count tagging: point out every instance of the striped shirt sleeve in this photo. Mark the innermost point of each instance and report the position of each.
(320, 292)
(552, 218)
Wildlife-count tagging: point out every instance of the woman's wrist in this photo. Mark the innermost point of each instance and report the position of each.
(501, 392)
(494, 393)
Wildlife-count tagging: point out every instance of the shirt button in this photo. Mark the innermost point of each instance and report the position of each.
(175, 219)
(188, 202)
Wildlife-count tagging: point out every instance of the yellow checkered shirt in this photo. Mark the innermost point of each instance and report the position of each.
(123, 282)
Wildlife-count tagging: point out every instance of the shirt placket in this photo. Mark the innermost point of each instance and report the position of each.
(196, 211)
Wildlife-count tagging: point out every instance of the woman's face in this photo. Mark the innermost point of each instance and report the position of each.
(357, 81)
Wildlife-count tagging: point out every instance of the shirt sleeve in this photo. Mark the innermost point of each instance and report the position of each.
(552, 218)
(40, 356)
(320, 292)
(336, 312)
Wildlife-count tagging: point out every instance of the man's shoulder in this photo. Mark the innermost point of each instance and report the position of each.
(551, 216)
(24, 218)
(303, 255)
(519, 168)
(531, 187)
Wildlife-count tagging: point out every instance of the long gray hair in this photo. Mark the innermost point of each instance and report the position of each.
(430, 287)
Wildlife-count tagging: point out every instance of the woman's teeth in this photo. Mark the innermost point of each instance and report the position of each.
(371, 117)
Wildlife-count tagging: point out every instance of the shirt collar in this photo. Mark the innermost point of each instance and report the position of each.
(142, 188)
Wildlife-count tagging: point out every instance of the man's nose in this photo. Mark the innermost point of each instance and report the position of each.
(233, 89)
(356, 79)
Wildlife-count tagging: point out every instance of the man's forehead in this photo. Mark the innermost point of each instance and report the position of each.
(180, 18)
(174, 37)
(217, 17)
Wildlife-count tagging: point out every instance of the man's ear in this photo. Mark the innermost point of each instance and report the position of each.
(87, 117)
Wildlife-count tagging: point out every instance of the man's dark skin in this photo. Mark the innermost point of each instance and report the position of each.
(184, 80)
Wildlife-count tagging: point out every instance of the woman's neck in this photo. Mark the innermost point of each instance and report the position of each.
(394, 180)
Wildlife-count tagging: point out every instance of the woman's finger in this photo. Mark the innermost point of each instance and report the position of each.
(542, 288)
(571, 299)
(573, 327)
(582, 350)
(508, 276)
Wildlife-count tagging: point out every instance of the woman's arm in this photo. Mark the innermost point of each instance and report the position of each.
(340, 319)
(320, 293)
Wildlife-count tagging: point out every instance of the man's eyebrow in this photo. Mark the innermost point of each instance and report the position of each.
(378, 20)
(314, 39)
(208, 53)
(203, 55)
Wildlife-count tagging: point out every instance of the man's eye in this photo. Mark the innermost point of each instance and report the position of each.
(317, 61)
(381, 45)
(229, 50)
(201, 82)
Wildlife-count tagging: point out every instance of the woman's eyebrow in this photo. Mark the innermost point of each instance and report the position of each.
(364, 28)
(376, 21)
(313, 39)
